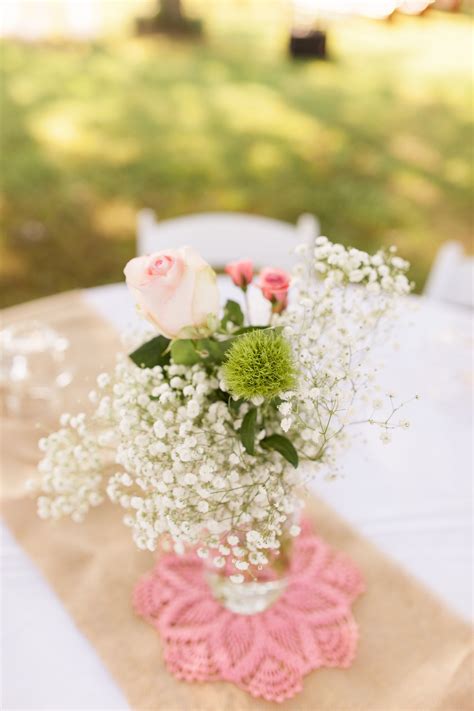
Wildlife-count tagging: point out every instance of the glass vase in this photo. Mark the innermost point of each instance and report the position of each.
(247, 598)
(262, 585)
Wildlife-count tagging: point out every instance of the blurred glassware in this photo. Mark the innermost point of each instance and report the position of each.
(33, 366)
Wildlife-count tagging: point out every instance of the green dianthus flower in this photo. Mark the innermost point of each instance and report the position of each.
(259, 364)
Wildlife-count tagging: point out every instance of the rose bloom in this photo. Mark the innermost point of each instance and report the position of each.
(241, 272)
(174, 289)
(274, 284)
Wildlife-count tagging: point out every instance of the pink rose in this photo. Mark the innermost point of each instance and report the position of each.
(274, 284)
(174, 289)
(241, 272)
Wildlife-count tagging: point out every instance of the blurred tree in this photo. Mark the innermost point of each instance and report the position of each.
(169, 18)
(172, 9)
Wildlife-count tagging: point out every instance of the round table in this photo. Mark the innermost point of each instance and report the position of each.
(412, 498)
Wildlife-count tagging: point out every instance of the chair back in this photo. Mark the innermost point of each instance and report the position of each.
(452, 276)
(221, 237)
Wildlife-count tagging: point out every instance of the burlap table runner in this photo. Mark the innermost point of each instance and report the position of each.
(413, 655)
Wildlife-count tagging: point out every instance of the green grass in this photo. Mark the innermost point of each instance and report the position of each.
(376, 142)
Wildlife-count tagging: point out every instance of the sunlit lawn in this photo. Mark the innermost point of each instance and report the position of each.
(376, 141)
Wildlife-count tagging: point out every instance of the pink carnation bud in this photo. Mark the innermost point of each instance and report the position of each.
(274, 284)
(241, 272)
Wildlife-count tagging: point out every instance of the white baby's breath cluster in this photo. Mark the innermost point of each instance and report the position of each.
(72, 481)
(183, 470)
(383, 272)
(346, 299)
(164, 443)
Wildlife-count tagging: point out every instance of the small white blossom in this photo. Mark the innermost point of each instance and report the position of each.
(103, 380)
(193, 408)
(241, 565)
(285, 408)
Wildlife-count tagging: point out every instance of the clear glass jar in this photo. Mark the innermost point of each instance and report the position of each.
(33, 367)
(246, 598)
(261, 588)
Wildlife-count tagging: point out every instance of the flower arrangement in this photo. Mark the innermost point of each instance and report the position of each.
(215, 425)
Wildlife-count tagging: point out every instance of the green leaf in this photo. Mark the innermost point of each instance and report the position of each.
(232, 314)
(283, 446)
(247, 329)
(234, 405)
(221, 395)
(213, 350)
(151, 353)
(247, 430)
(188, 351)
(183, 352)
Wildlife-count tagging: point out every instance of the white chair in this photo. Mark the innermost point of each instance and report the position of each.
(221, 237)
(452, 276)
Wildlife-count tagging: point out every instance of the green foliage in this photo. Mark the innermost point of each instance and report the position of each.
(186, 351)
(247, 430)
(282, 445)
(259, 364)
(232, 314)
(234, 405)
(247, 329)
(151, 353)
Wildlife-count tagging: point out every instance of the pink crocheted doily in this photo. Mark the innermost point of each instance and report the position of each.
(266, 654)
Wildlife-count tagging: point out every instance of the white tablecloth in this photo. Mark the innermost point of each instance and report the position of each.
(412, 498)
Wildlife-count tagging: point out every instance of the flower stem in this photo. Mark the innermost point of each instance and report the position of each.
(247, 306)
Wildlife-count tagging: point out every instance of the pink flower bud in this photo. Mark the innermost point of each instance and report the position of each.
(241, 272)
(274, 284)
